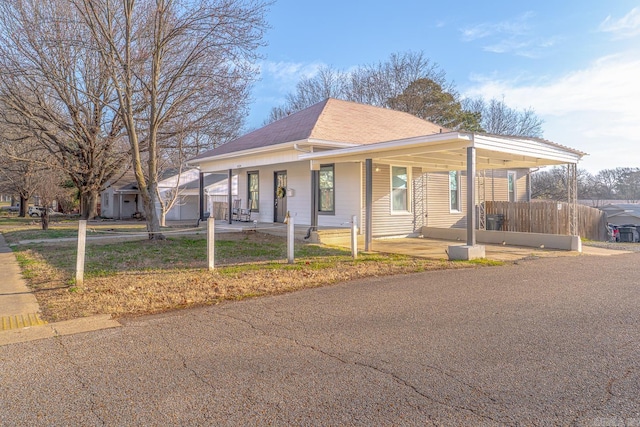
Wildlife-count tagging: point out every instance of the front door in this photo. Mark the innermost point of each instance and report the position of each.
(280, 196)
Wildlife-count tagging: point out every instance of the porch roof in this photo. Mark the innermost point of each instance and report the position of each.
(447, 151)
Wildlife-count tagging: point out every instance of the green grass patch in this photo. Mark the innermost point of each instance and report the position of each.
(482, 262)
(110, 258)
(132, 277)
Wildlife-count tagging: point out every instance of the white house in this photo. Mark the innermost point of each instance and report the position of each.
(187, 206)
(395, 172)
(122, 200)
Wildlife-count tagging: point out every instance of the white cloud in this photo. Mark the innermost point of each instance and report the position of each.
(514, 27)
(627, 26)
(609, 84)
(287, 74)
(510, 36)
(588, 109)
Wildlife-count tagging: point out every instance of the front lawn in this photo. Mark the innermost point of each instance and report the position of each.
(141, 276)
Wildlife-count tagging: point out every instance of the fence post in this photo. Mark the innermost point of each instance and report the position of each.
(354, 237)
(82, 239)
(290, 236)
(211, 243)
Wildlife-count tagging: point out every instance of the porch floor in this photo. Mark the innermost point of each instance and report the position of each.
(437, 249)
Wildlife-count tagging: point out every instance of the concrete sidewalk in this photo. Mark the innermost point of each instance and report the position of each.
(19, 311)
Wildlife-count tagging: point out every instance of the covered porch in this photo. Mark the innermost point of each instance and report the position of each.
(453, 151)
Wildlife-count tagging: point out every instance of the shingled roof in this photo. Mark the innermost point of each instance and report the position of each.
(332, 120)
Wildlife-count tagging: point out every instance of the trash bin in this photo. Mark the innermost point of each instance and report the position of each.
(628, 234)
(495, 221)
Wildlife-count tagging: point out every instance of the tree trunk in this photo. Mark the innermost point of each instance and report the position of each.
(163, 218)
(45, 218)
(89, 205)
(23, 206)
(151, 214)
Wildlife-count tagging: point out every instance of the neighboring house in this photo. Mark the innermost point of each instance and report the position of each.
(622, 213)
(187, 206)
(395, 172)
(122, 200)
(600, 203)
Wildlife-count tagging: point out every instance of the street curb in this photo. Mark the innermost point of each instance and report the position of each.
(51, 330)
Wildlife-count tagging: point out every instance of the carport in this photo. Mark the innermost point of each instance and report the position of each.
(473, 153)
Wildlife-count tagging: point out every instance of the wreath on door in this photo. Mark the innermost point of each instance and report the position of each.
(281, 192)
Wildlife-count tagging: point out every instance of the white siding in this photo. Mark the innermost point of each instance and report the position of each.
(438, 207)
(384, 221)
(107, 205)
(347, 195)
(495, 188)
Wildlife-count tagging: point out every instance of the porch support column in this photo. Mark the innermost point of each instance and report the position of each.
(201, 195)
(368, 201)
(230, 195)
(470, 250)
(572, 196)
(315, 178)
(471, 196)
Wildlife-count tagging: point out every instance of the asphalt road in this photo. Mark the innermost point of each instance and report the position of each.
(551, 341)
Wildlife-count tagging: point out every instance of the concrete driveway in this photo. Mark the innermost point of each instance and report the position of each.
(551, 341)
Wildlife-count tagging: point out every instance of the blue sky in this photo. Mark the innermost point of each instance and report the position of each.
(577, 63)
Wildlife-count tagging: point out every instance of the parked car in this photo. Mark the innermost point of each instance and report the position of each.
(37, 211)
(12, 208)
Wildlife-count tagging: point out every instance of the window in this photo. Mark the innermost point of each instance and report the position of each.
(511, 185)
(454, 191)
(399, 189)
(326, 199)
(253, 190)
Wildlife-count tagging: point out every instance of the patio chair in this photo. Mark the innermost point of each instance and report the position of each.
(235, 209)
(245, 214)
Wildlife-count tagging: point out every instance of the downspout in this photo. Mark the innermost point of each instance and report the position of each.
(230, 196)
(201, 194)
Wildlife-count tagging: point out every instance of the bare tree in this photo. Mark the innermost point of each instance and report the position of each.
(375, 84)
(551, 184)
(50, 192)
(500, 119)
(372, 84)
(56, 88)
(626, 182)
(23, 169)
(327, 83)
(172, 61)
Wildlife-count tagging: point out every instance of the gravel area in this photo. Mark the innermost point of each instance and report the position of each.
(620, 246)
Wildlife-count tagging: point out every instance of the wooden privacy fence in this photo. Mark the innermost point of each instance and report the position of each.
(550, 218)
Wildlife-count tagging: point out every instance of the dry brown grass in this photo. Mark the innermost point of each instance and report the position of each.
(134, 278)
